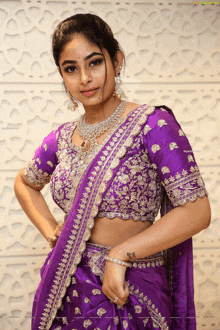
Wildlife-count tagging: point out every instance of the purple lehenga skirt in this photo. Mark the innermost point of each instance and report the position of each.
(85, 306)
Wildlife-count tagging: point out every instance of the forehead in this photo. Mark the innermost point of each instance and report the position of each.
(79, 45)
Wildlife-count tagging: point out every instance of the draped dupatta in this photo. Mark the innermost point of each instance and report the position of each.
(67, 253)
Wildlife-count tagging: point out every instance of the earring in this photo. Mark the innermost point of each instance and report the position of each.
(73, 104)
(118, 92)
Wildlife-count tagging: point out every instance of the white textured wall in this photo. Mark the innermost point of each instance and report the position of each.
(173, 58)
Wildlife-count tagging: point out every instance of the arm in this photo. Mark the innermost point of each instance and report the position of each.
(34, 205)
(173, 228)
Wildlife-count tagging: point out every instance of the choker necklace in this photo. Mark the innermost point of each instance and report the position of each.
(90, 133)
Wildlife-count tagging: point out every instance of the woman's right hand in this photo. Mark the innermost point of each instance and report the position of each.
(55, 234)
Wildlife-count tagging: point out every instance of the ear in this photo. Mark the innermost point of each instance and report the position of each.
(118, 60)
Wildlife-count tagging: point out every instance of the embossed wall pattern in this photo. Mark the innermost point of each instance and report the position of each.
(173, 58)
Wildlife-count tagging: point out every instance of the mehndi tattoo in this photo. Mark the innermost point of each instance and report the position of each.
(131, 255)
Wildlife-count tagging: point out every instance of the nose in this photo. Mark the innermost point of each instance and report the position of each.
(85, 76)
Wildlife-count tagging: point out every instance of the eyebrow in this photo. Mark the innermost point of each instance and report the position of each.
(86, 58)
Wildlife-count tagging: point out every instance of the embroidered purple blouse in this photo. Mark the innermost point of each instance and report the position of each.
(159, 158)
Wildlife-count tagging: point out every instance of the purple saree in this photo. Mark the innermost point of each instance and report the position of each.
(161, 286)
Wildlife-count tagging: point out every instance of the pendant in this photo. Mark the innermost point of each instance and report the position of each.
(85, 146)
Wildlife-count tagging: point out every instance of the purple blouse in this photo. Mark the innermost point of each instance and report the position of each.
(160, 159)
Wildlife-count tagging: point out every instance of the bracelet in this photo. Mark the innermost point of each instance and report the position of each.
(117, 261)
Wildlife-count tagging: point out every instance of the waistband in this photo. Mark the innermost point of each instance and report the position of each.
(156, 259)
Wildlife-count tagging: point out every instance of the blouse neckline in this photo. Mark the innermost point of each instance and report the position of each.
(105, 138)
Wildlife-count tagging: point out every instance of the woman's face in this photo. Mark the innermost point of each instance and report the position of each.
(84, 70)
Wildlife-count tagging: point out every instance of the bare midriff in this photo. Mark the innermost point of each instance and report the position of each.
(111, 232)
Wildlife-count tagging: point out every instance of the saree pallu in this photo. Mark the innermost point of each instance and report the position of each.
(85, 306)
(68, 259)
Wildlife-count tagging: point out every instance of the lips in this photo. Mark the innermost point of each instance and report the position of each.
(90, 91)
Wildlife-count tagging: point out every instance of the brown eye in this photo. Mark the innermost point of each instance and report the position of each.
(70, 69)
(96, 62)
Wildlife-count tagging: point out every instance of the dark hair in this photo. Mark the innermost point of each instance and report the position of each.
(92, 27)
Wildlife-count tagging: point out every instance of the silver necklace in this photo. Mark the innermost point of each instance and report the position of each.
(89, 133)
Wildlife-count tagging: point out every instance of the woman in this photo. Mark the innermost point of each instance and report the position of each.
(111, 171)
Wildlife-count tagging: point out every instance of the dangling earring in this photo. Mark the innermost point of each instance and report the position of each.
(118, 92)
(73, 104)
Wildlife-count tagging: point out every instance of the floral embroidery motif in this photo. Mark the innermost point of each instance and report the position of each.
(73, 280)
(50, 163)
(138, 309)
(180, 132)
(185, 186)
(145, 321)
(173, 145)
(165, 169)
(68, 299)
(45, 147)
(190, 158)
(64, 320)
(125, 324)
(77, 310)
(116, 319)
(96, 291)
(87, 323)
(153, 311)
(161, 122)
(87, 300)
(101, 311)
(155, 148)
(147, 128)
(75, 293)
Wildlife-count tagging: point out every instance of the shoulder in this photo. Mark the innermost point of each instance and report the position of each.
(160, 117)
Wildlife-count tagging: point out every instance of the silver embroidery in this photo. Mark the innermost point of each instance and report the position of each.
(77, 310)
(50, 163)
(180, 132)
(75, 293)
(155, 148)
(190, 158)
(137, 308)
(101, 311)
(161, 122)
(87, 323)
(147, 128)
(165, 169)
(87, 300)
(173, 145)
(96, 291)
(125, 324)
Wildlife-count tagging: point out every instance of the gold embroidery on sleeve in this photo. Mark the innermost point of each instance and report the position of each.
(190, 158)
(180, 132)
(161, 122)
(173, 145)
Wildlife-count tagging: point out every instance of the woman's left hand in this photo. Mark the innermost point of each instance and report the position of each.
(114, 284)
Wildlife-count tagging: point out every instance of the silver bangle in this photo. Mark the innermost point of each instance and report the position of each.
(117, 261)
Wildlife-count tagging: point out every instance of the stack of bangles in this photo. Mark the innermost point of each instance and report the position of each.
(117, 261)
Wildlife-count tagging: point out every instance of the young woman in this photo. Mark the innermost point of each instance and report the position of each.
(111, 171)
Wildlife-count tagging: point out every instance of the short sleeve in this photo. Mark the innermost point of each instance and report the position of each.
(40, 168)
(171, 155)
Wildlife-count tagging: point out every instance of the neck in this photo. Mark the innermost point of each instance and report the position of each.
(98, 113)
